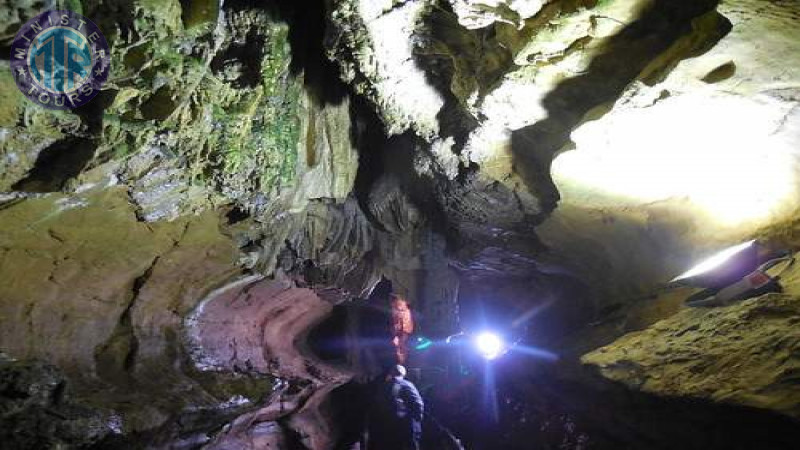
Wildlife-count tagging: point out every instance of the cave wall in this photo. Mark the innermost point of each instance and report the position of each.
(257, 325)
(582, 82)
(472, 153)
(707, 131)
(101, 297)
(115, 218)
(530, 108)
(509, 88)
(221, 148)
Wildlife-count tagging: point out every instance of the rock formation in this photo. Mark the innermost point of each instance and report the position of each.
(250, 168)
(744, 354)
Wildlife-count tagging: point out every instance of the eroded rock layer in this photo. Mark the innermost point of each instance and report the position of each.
(102, 296)
(744, 354)
(166, 249)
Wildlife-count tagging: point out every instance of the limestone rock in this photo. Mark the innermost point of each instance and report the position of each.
(479, 14)
(101, 296)
(225, 146)
(373, 41)
(744, 354)
(511, 80)
(712, 109)
(330, 163)
(257, 325)
(192, 118)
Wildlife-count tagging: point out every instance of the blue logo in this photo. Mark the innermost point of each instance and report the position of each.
(60, 60)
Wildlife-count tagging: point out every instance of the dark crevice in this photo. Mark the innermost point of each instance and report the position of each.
(249, 54)
(294, 440)
(126, 323)
(307, 24)
(236, 215)
(57, 164)
(444, 50)
(367, 133)
(5, 51)
(393, 158)
(565, 406)
(116, 358)
(91, 113)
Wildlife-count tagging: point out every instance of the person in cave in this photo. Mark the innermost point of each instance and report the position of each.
(402, 327)
(395, 418)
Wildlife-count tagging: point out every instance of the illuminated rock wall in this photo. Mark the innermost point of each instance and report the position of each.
(744, 354)
(699, 153)
(553, 161)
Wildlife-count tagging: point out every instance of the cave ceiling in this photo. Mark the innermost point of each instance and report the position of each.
(270, 160)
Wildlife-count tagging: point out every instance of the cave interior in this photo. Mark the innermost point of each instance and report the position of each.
(267, 204)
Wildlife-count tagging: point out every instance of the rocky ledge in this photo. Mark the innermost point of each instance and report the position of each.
(747, 354)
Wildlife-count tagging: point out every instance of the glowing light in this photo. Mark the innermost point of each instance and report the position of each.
(423, 343)
(714, 262)
(730, 157)
(489, 345)
(535, 352)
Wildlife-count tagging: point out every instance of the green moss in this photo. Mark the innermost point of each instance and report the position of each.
(10, 101)
(281, 127)
(238, 139)
(256, 145)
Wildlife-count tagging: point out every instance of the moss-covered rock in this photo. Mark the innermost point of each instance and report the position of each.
(745, 354)
(210, 91)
